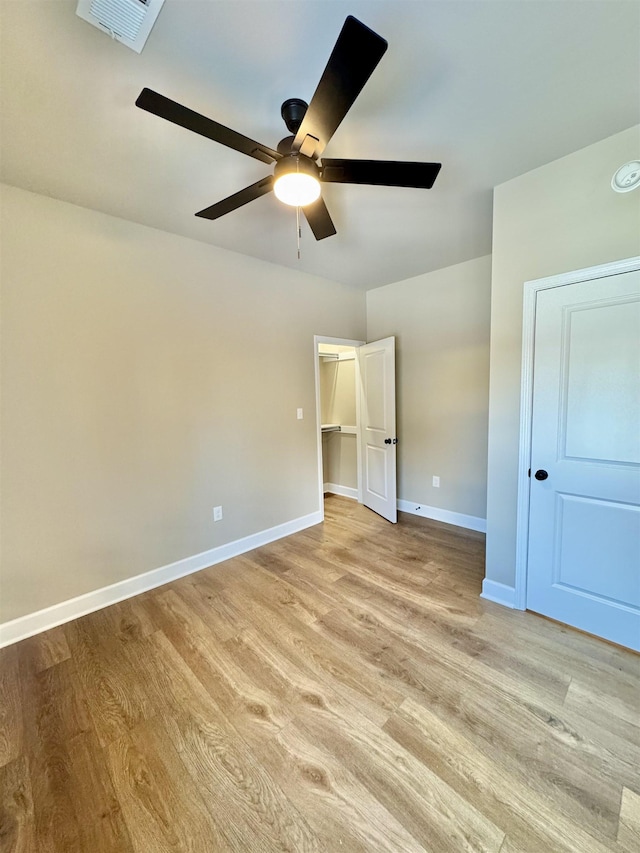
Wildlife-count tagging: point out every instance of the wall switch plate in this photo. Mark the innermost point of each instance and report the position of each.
(436, 482)
(299, 414)
(217, 513)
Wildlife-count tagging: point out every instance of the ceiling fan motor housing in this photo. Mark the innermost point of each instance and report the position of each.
(285, 146)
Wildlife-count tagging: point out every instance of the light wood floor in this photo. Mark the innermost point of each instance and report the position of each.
(344, 689)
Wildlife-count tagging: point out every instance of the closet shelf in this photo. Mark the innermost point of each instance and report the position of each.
(348, 430)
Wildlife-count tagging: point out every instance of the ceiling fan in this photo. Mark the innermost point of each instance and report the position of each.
(298, 170)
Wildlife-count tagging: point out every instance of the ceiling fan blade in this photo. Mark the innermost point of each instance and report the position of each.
(382, 173)
(319, 219)
(356, 53)
(170, 110)
(233, 202)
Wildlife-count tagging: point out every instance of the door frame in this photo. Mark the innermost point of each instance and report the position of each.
(531, 290)
(344, 342)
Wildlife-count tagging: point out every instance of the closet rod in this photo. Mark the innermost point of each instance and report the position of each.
(338, 356)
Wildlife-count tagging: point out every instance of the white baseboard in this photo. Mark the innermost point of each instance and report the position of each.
(345, 491)
(65, 611)
(471, 522)
(498, 592)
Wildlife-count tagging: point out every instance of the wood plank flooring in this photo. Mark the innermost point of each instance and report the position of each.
(344, 689)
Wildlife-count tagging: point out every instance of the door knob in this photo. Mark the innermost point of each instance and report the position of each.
(387, 441)
(541, 474)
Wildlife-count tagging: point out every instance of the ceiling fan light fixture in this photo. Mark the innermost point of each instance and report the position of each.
(296, 181)
(297, 190)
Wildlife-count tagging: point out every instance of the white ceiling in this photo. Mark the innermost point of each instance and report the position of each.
(490, 88)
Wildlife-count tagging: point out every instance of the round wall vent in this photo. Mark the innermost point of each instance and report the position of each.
(627, 177)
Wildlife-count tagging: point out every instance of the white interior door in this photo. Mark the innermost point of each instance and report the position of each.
(377, 388)
(583, 563)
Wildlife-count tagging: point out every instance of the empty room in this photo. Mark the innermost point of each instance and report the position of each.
(319, 426)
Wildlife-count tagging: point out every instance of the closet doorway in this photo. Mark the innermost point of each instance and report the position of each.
(355, 406)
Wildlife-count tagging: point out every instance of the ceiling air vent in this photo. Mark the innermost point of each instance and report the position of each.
(127, 21)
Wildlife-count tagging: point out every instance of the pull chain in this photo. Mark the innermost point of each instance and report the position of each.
(298, 212)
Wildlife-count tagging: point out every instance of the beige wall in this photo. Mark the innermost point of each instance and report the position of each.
(340, 459)
(338, 391)
(441, 324)
(561, 217)
(146, 378)
(338, 403)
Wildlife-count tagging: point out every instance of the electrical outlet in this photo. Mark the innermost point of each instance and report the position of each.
(299, 414)
(217, 513)
(436, 482)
